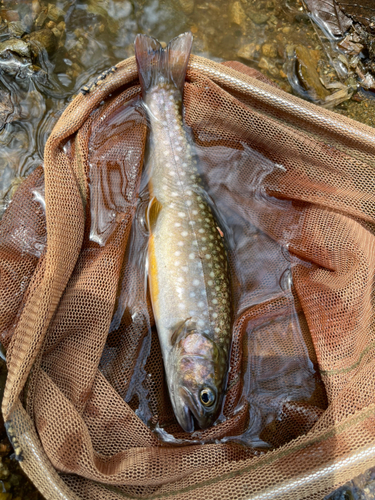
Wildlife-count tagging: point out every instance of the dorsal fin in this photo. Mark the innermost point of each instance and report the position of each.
(157, 65)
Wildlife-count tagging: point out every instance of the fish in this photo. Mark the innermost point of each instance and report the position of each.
(188, 272)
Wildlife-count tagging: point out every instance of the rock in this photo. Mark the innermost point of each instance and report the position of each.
(19, 47)
(237, 14)
(259, 17)
(57, 33)
(10, 15)
(187, 6)
(61, 26)
(307, 74)
(269, 50)
(44, 37)
(16, 28)
(350, 47)
(40, 20)
(54, 13)
(6, 109)
(268, 66)
(4, 471)
(248, 51)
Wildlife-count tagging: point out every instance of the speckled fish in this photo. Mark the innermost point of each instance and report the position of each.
(187, 262)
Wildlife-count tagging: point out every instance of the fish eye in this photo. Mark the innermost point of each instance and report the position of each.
(207, 397)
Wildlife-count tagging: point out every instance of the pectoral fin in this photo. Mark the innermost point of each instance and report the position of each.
(152, 213)
(182, 329)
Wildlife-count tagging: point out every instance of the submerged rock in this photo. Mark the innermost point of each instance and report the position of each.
(307, 74)
(237, 14)
(187, 6)
(45, 37)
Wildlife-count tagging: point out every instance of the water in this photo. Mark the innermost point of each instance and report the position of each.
(39, 78)
(279, 369)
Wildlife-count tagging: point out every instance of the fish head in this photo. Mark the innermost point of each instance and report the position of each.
(196, 373)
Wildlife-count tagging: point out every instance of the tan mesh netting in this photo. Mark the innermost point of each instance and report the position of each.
(69, 371)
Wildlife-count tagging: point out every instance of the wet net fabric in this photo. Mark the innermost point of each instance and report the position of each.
(75, 321)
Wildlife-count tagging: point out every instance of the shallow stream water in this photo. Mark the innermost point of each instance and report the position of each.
(39, 79)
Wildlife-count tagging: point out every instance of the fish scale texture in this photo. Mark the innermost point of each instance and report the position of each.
(75, 321)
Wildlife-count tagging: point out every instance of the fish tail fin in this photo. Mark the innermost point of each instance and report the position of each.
(157, 65)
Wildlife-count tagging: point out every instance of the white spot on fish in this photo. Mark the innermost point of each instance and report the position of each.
(184, 233)
(200, 322)
(174, 193)
(192, 294)
(180, 243)
(212, 274)
(214, 315)
(185, 269)
(217, 330)
(201, 304)
(208, 256)
(177, 263)
(181, 214)
(178, 253)
(195, 212)
(181, 306)
(196, 282)
(188, 203)
(209, 282)
(201, 230)
(192, 256)
(214, 301)
(188, 192)
(177, 224)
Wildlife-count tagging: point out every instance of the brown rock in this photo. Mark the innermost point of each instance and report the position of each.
(307, 73)
(10, 15)
(269, 50)
(44, 37)
(237, 14)
(187, 6)
(248, 52)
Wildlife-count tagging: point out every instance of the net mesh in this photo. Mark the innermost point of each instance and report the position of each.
(71, 356)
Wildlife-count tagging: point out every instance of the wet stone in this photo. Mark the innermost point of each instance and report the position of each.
(16, 28)
(54, 13)
(269, 50)
(248, 51)
(307, 74)
(19, 47)
(40, 20)
(259, 17)
(237, 14)
(9, 15)
(45, 37)
(187, 6)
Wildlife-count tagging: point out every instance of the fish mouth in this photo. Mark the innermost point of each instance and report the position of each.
(184, 409)
(186, 420)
